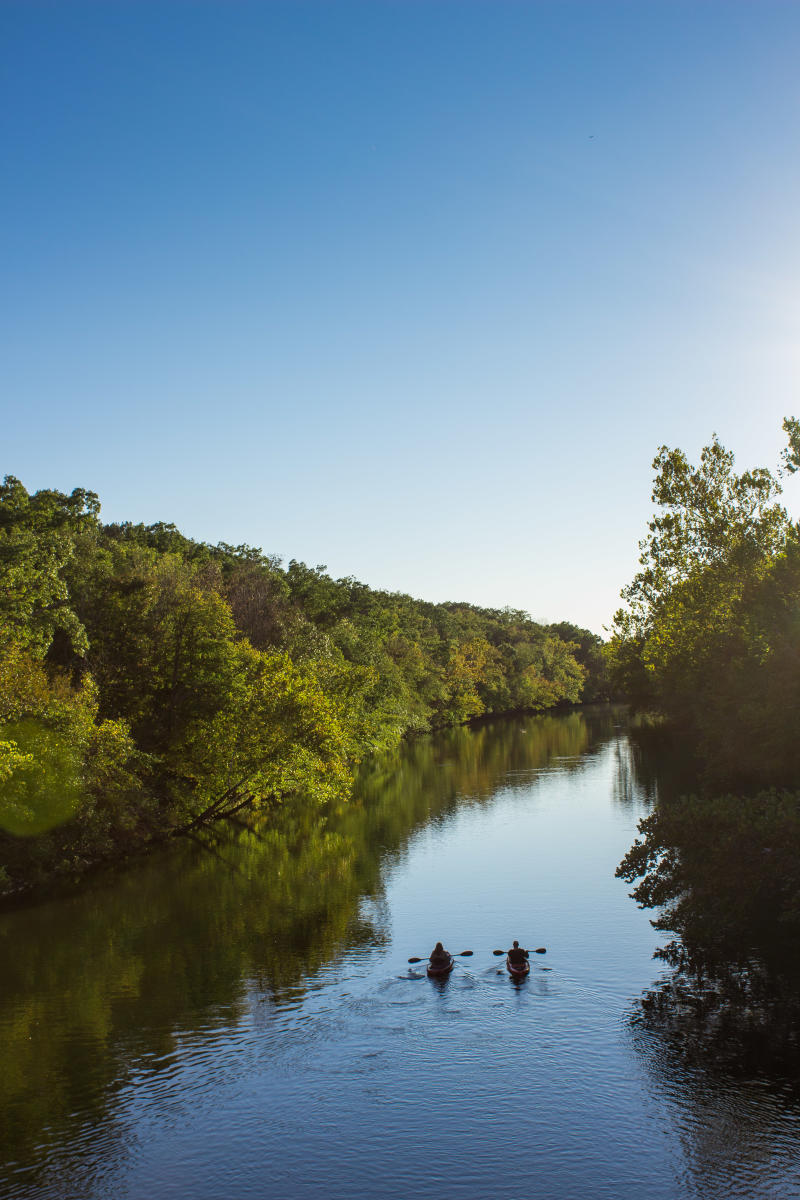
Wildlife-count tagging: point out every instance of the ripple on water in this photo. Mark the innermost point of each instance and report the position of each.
(361, 1080)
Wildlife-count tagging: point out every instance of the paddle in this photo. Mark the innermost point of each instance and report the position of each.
(461, 954)
(541, 950)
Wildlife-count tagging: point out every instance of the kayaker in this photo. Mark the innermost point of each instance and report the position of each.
(439, 957)
(516, 954)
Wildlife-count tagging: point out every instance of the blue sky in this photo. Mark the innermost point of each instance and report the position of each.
(412, 289)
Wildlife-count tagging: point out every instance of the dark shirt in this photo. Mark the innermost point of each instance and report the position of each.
(517, 956)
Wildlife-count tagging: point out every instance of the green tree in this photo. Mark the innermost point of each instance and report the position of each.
(60, 764)
(589, 651)
(276, 734)
(688, 611)
(153, 682)
(36, 542)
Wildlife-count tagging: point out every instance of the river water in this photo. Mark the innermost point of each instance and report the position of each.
(236, 1017)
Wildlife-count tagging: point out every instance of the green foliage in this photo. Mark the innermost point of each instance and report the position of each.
(70, 783)
(276, 733)
(151, 683)
(591, 653)
(712, 621)
(46, 787)
(716, 527)
(791, 455)
(36, 542)
(11, 759)
(710, 637)
(162, 643)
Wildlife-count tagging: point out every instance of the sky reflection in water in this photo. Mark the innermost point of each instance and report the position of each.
(239, 1018)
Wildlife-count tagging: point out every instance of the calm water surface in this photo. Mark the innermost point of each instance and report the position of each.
(237, 1018)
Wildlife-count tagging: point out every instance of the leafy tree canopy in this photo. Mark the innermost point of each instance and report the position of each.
(152, 682)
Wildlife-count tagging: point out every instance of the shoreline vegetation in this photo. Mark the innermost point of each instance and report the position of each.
(709, 640)
(150, 684)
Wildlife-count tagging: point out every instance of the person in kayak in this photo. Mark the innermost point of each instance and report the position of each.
(439, 957)
(516, 955)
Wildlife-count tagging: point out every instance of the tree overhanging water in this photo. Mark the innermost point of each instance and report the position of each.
(150, 683)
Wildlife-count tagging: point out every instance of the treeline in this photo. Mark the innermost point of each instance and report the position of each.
(709, 639)
(149, 682)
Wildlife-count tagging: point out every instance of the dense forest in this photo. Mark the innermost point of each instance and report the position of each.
(708, 645)
(150, 683)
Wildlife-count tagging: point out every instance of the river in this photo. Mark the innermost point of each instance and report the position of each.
(236, 1017)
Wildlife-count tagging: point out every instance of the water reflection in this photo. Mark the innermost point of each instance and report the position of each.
(223, 1020)
(743, 1026)
(103, 985)
(725, 1055)
(719, 1035)
(654, 764)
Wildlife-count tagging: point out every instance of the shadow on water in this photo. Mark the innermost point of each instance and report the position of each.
(720, 1029)
(652, 763)
(732, 1025)
(116, 979)
(722, 1052)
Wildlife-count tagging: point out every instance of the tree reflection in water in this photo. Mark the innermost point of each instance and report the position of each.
(721, 1050)
(728, 1009)
(136, 967)
(730, 1023)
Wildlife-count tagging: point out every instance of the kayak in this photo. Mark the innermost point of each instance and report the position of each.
(517, 970)
(439, 970)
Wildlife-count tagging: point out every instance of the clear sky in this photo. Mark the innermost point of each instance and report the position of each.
(413, 289)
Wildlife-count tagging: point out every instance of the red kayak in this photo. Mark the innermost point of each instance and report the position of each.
(438, 970)
(517, 970)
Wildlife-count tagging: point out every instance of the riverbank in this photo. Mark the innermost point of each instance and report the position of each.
(151, 683)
